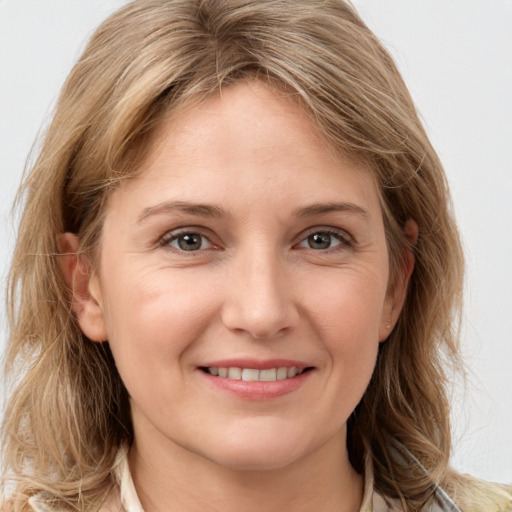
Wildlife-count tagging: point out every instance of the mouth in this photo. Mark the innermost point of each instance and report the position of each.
(256, 380)
(254, 374)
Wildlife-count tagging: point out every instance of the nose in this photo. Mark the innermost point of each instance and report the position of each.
(259, 296)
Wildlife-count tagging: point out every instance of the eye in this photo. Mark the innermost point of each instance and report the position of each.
(326, 239)
(187, 241)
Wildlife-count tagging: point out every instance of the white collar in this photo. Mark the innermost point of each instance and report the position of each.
(127, 493)
(372, 500)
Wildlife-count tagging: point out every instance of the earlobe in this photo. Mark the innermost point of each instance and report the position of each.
(398, 293)
(83, 286)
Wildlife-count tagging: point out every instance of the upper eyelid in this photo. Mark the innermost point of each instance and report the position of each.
(326, 229)
(186, 229)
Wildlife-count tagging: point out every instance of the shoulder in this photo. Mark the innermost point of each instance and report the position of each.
(481, 496)
(35, 504)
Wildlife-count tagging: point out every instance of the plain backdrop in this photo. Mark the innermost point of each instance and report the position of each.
(456, 57)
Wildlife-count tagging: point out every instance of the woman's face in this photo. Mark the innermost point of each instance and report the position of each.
(245, 248)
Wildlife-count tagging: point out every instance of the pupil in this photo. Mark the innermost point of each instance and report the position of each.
(190, 242)
(320, 241)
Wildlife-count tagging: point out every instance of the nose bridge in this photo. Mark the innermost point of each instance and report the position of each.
(260, 299)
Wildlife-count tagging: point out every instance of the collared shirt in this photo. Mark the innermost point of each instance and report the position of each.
(372, 500)
(125, 499)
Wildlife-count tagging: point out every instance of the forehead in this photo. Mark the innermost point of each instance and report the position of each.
(249, 144)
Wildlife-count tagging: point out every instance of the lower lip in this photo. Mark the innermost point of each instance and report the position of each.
(257, 390)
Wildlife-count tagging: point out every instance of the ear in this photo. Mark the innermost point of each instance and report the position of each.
(83, 285)
(398, 291)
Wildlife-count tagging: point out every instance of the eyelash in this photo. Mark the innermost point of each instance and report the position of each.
(172, 236)
(345, 240)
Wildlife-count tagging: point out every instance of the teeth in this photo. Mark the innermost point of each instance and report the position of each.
(250, 374)
(268, 375)
(291, 372)
(282, 373)
(235, 373)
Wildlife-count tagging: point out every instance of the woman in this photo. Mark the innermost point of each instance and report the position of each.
(237, 278)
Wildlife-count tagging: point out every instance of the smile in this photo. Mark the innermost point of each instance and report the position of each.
(254, 375)
(256, 379)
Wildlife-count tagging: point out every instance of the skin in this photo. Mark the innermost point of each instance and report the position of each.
(257, 287)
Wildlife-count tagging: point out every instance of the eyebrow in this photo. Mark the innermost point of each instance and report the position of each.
(199, 209)
(321, 208)
(208, 210)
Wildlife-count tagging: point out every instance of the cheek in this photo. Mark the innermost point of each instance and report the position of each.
(348, 304)
(347, 317)
(154, 316)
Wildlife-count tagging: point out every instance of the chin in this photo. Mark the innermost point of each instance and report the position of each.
(260, 452)
(249, 460)
(266, 443)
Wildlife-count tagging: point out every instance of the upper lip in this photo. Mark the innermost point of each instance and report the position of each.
(256, 364)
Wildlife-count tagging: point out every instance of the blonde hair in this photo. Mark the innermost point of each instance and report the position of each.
(69, 410)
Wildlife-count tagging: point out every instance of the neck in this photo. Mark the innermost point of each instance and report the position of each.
(174, 479)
